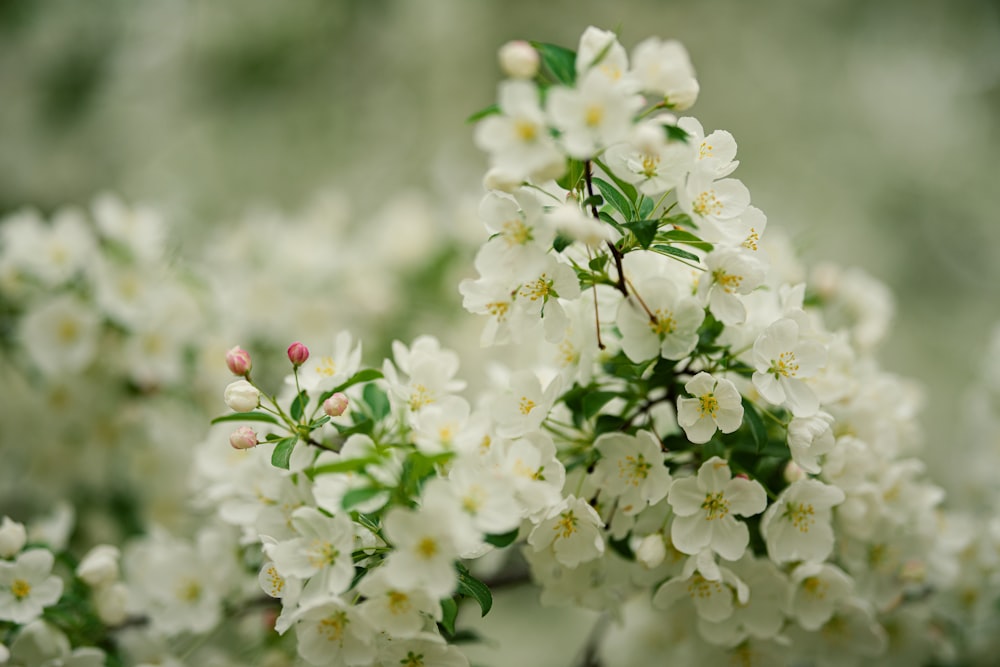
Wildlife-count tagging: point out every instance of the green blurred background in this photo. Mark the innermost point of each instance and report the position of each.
(867, 130)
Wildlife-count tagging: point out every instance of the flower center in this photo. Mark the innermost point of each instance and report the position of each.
(427, 548)
(649, 165)
(716, 506)
(664, 324)
(634, 469)
(815, 587)
(20, 588)
(323, 554)
(727, 281)
(526, 405)
(331, 628)
(703, 588)
(709, 405)
(594, 115)
(326, 367)
(420, 396)
(515, 232)
(566, 525)
(399, 603)
(537, 289)
(498, 309)
(705, 150)
(784, 366)
(706, 203)
(525, 130)
(801, 515)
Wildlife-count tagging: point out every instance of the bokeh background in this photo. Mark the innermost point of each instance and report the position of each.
(868, 131)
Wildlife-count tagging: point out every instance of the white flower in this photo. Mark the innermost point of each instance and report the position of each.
(577, 225)
(731, 272)
(428, 649)
(648, 160)
(323, 372)
(816, 590)
(716, 404)
(712, 593)
(763, 613)
(40, 644)
(599, 51)
(706, 506)
(713, 202)
(112, 603)
(716, 153)
(665, 68)
(334, 633)
(518, 139)
(430, 369)
(137, 228)
(427, 542)
(100, 566)
(12, 537)
(672, 335)
(398, 611)
(783, 361)
(321, 554)
(60, 335)
(797, 525)
(535, 473)
(631, 469)
(809, 438)
(241, 396)
(573, 530)
(27, 586)
(593, 115)
(525, 405)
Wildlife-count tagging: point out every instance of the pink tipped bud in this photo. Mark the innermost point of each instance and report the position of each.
(298, 353)
(335, 405)
(518, 59)
(243, 438)
(793, 472)
(238, 361)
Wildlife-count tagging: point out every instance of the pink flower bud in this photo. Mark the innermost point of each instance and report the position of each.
(243, 438)
(335, 405)
(238, 361)
(518, 59)
(298, 353)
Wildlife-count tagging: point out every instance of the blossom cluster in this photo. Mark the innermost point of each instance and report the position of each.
(678, 431)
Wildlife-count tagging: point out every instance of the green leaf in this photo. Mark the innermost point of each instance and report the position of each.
(364, 375)
(365, 426)
(561, 242)
(599, 262)
(247, 417)
(675, 252)
(449, 612)
(574, 172)
(757, 429)
(316, 423)
(626, 188)
(491, 110)
(595, 400)
(622, 548)
(646, 206)
(357, 496)
(608, 424)
(606, 217)
(596, 200)
(471, 587)
(675, 133)
(713, 448)
(644, 230)
(283, 452)
(615, 198)
(349, 465)
(299, 405)
(559, 61)
(377, 400)
(502, 540)
(685, 237)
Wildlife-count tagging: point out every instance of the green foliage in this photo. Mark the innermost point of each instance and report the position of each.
(283, 452)
(247, 417)
(558, 61)
(470, 587)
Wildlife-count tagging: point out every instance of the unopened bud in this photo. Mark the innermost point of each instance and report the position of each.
(100, 566)
(298, 353)
(335, 405)
(238, 361)
(651, 551)
(793, 472)
(242, 396)
(243, 438)
(12, 537)
(112, 602)
(518, 59)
